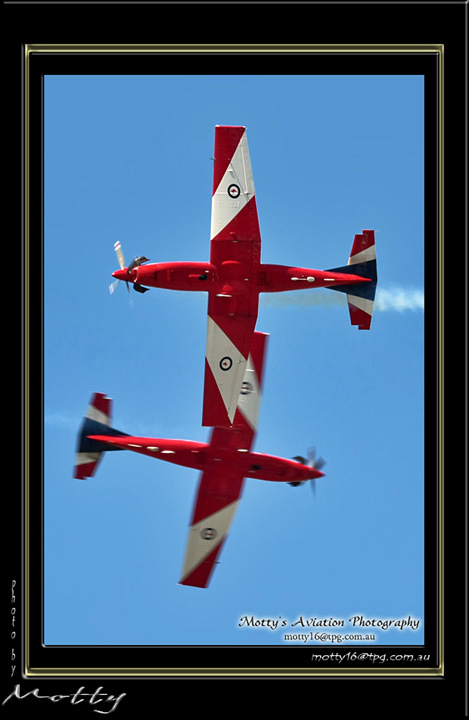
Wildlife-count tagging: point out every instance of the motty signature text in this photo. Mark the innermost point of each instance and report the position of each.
(80, 696)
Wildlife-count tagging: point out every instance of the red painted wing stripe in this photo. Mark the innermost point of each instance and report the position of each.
(217, 489)
(244, 226)
(214, 410)
(200, 577)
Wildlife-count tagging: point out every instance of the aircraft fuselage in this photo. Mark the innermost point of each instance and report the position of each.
(234, 277)
(200, 456)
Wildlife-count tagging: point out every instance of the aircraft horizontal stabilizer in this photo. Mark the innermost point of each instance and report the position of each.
(96, 422)
(360, 296)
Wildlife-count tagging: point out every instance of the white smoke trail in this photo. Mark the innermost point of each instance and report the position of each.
(61, 419)
(399, 299)
(396, 299)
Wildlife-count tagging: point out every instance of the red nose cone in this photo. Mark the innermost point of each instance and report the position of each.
(121, 275)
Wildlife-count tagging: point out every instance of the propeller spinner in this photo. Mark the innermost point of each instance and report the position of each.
(135, 263)
(312, 462)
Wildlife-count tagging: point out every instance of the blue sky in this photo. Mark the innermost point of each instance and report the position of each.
(129, 159)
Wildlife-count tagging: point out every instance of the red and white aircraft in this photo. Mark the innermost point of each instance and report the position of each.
(225, 461)
(235, 276)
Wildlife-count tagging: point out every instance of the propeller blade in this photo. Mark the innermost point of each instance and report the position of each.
(317, 464)
(113, 286)
(120, 254)
(313, 462)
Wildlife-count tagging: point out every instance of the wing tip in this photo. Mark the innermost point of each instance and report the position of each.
(200, 576)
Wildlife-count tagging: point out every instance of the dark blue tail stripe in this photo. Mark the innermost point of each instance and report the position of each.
(363, 290)
(93, 427)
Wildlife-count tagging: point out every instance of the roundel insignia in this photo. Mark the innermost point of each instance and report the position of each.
(226, 363)
(246, 388)
(234, 191)
(208, 534)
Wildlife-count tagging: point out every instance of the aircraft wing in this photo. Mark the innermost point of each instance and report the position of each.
(235, 226)
(221, 484)
(235, 246)
(228, 342)
(217, 500)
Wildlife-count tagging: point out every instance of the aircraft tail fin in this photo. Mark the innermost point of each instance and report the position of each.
(360, 297)
(96, 422)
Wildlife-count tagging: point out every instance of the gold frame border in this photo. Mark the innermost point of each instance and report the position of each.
(433, 49)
